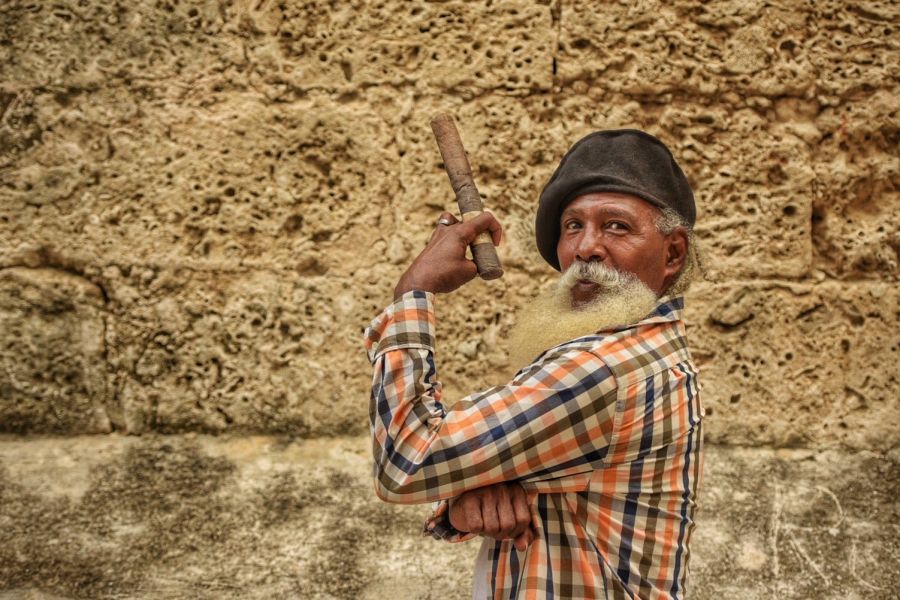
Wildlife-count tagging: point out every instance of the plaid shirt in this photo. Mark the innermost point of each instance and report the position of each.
(603, 432)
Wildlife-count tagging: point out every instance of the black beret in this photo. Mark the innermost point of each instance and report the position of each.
(626, 161)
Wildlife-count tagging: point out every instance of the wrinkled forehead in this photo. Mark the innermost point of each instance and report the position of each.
(611, 204)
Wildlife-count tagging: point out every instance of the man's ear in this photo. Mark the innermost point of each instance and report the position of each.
(676, 253)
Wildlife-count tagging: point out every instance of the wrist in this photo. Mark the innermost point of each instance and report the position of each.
(407, 284)
(400, 290)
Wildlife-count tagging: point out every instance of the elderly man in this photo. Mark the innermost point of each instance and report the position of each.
(582, 471)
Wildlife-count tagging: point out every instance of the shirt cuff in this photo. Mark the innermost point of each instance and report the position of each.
(407, 323)
(438, 525)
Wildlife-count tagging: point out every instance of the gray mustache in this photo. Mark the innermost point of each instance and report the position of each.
(604, 276)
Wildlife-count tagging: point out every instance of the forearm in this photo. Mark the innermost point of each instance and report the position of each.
(406, 410)
(405, 395)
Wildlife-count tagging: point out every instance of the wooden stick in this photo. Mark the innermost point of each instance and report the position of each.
(467, 197)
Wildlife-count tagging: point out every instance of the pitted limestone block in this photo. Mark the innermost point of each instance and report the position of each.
(855, 212)
(751, 48)
(74, 48)
(859, 236)
(263, 517)
(753, 182)
(53, 373)
(301, 46)
(622, 44)
(52, 189)
(251, 351)
(798, 365)
(302, 187)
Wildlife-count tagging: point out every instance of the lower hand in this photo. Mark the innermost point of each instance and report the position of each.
(499, 511)
(442, 266)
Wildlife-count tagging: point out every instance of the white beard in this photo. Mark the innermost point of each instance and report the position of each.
(549, 319)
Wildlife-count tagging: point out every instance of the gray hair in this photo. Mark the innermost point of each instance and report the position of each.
(667, 222)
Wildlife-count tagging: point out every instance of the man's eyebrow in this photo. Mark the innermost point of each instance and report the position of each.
(607, 211)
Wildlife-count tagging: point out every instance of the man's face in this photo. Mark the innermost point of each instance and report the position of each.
(619, 231)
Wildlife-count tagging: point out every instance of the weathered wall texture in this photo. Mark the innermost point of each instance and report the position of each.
(203, 203)
(234, 517)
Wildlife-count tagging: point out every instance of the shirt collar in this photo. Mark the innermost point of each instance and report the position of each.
(668, 309)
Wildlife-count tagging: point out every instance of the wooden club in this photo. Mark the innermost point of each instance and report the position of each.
(467, 197)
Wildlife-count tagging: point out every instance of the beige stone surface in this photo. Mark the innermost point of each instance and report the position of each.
(206, 517)
(202, 204)
(244, 182)
(189, 516)
(435, 46)
(240, 184)
(798, 364)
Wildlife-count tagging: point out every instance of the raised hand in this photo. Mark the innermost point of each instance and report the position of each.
(442, 266)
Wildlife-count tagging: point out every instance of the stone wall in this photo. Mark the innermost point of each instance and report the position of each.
(202, 204)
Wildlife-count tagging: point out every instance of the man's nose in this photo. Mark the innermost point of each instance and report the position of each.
(590, 247)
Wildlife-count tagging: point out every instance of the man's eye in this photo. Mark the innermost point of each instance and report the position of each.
(617, 226)
(573, 225)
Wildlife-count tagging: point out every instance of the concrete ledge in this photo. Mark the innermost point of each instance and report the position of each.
(265, 517)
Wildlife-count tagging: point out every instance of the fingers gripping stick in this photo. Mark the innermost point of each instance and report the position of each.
(467, 196)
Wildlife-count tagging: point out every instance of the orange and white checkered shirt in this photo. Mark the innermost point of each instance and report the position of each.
(603, 431)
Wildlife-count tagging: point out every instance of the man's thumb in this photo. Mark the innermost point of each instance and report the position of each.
(524, 540)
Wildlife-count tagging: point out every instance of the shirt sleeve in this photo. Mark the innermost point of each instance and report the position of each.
(554, 419)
